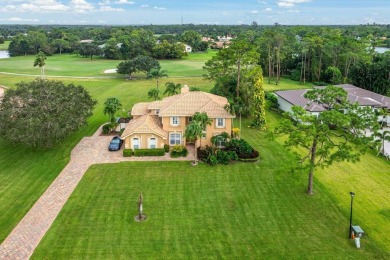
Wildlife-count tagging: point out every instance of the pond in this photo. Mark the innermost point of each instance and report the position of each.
(381, 49)
(4, 54)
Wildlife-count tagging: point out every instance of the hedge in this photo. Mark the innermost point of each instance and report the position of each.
(149, 152)
(127, 152)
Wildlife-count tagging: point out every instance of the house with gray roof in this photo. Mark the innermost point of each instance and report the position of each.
(289, 98)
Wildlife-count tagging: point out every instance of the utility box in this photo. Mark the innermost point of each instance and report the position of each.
(358, 231)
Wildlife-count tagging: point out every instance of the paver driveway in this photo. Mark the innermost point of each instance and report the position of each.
(22, 241)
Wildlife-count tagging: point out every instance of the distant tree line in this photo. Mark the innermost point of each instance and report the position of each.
(118, 44)
(319, 54)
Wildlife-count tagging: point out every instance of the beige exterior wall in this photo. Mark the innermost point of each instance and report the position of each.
(144, 141)
(211, 130)
(180, 128)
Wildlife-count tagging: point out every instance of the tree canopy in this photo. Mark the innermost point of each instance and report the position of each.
(336, 134)
(138, 64)
(111, 106)
(43, 112)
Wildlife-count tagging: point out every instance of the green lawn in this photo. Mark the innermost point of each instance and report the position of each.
(25, 174)
(4, 46)
(73, 65)
(252, 210)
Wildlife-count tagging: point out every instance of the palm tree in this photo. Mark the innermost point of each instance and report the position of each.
(40, 61)
(172, 88)
(231, 109)
(156, 73)
(204, 120)
(194, 131)
(154, 93)
(111, 106)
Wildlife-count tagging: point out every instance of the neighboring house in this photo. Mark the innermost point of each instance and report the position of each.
(187, 48)
(161, 122)
(86, 41)
(289, 98)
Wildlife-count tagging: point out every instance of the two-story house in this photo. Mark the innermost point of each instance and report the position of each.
(161, 122)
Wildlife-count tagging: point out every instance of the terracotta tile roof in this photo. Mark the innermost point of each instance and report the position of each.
(146, 124)
(140, 109)
(189, 103)
(186, 104)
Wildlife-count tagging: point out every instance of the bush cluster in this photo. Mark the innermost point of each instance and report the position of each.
(127, 152)
(179, 151)
(235, 150)
(107, 128)
(272, 100)
(166, 148)
(214, 155)
(149, 152)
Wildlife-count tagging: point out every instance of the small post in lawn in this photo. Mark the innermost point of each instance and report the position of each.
(140, 216)
(350, 216)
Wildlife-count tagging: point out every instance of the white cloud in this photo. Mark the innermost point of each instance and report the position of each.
(36, 6)
(144, 6)
(120, 2)
(107, 8)
(82, 6)
(291, 3)
(254, 12)
(159, 8)
(17, 19)
(268, 9)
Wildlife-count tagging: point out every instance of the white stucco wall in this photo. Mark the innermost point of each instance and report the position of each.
(284, 105)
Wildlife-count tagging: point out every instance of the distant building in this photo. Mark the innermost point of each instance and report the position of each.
(187, 48)
(86, 41)
(365, 98)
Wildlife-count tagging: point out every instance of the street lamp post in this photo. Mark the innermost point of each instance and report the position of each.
(350, 218)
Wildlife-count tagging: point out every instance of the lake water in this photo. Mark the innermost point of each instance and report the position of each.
(381, 49)
(4, 54)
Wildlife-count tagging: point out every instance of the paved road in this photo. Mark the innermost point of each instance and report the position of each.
(22, 241)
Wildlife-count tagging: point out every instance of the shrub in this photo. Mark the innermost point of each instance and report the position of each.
(204, 153)
(166, 148)
(232, 156)
(179, 151)
(149, 152)
(272, 100)
(127, 152)
(240, 146)
(106, 128)
(223, 157)
(212, 160)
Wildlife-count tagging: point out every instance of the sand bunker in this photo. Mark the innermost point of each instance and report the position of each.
(110, 71)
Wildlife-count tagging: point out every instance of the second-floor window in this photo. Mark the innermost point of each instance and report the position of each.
(174, 120)
(220, 123)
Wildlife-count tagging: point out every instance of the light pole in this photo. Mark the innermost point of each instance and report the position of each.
(350, 218)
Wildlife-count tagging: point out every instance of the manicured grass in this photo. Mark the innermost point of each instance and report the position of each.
(4, 46)
(251, 210)
(73, 65)
(25, 174)
(284, 84)
(255, 210)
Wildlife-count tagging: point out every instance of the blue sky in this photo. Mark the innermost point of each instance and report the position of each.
(288, 12)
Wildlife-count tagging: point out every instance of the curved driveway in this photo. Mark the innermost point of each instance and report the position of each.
(22, 241)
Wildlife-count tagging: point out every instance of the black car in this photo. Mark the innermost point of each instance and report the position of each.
(115, 144)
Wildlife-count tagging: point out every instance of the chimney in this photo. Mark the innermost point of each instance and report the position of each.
(185, 89)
